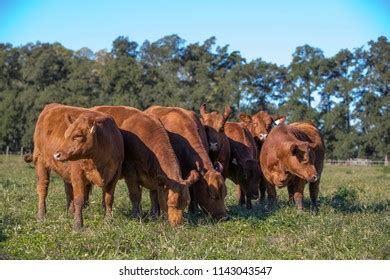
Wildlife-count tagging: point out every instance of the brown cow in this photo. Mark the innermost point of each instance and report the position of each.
(151, 162)
(189, 142)
(84, 148)
(259, 125)
(244, 168)
(293, 155)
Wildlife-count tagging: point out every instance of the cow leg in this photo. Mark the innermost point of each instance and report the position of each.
(290, 188)
(314, 189)
(193, 208)
(271, 192)
(43, 178)
(69, 198)
(241, 195)
(154, 206)
(248, 203)
(108, 197)
(262, 189)
(135, 193)
(79, 191)
(298, 193)
(89, 191)
(162, 194)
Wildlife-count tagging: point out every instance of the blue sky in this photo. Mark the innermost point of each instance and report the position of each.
(270, 30)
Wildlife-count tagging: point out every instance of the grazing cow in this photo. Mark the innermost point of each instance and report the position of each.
(244, 169)
(84, 148)
(213, 123)
(293, 155)
(151, 162)
(189, 142)
(259, 125)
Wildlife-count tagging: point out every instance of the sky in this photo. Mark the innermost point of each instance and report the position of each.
(270, 30)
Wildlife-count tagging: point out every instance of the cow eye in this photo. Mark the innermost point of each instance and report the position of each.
(78, 137)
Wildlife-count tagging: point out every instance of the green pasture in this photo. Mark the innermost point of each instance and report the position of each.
(353, 222)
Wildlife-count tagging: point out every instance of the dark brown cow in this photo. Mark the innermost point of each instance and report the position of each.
(151, 162)
(259, 125)
(214, 122)
(189, 142)
(84, 148)
(293, 155)
(244, 169)
(219, 147)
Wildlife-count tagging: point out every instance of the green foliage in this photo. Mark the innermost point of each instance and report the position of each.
(351, 88)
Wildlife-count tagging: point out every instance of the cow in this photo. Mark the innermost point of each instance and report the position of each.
(189, 142)
(244, 168)
(85, 148)
(293, 155)
(260, 125)
(213, 123)
(151, 162)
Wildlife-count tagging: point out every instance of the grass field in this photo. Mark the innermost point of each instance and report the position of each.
(353, 223)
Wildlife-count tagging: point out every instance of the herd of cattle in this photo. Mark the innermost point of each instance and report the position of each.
(182, 159)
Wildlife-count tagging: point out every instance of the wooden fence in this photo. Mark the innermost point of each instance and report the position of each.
(356, 162)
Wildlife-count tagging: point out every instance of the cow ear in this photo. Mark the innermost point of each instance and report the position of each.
(245, 118)
(69, 119)
(278, 119)
(202, 109)
(92, 128)
(227, 112)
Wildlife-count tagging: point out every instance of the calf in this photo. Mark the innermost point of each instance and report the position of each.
(244, 169)
(189, 142)
(151, 162)
(84, 148)
(293, 155)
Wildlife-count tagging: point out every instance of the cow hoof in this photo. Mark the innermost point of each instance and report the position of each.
(154, 216)
(314, 209)
(78, 225)
(136, 215)
(41, 216)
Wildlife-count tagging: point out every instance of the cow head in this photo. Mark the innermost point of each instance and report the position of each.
(214, 123)
(177, 197)
(260, 124)
(79, 138)
(248, 174)
(211, 192)
(301, 161)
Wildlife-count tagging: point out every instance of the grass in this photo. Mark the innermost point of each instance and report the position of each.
(353, 223)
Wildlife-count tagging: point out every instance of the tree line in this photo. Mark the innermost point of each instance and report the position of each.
(346, 95)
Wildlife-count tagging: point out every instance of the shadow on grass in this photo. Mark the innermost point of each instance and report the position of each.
(345, 200)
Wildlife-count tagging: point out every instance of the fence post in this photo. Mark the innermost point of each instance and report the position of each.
(21, 151)
(7, 151)
(386, 160)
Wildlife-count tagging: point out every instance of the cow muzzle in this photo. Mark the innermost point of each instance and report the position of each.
(214, 147)
(262, 136)
(313, 178)
(59, 156)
